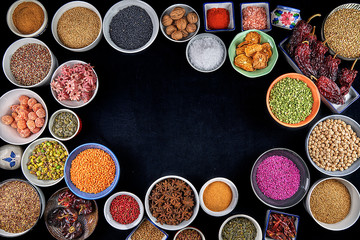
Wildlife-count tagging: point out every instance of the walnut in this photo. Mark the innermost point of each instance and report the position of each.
(177, 35)
(191, 27)
(192, 17)
(181, 23)
(170, 29)
(177, 13)
(184, 33)
(166, 20)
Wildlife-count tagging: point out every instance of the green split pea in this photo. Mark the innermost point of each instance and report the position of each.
(291, 100)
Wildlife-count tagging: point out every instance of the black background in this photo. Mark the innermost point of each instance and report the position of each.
(160, 117)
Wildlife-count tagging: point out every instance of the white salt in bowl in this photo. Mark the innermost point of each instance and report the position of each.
(61, 11)
(208, 59)
(12, 49)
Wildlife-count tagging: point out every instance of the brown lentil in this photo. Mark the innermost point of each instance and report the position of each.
(30, 64)
(92, 171)
(333, 145)
(342, 30)
(19, 206)
(78, 27)
(147, 231)
(330, 201)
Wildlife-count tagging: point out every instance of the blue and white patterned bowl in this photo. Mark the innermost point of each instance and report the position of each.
(71, 185)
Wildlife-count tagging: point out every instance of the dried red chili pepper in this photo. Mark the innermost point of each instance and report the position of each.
(66, 199)
(281, 227)
(330, 90)
(83, 206)
(346, 79)
(73, 230)
(60, 217)
(319, 49)
(330, 67)
(303, 58)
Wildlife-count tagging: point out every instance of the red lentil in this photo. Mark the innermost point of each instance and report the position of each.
(124, 209)
(92, 171)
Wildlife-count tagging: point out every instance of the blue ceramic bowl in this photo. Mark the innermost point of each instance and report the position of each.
(70, 184)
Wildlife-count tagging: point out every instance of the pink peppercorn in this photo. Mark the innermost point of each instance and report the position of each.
(278, 177)
(124, 209)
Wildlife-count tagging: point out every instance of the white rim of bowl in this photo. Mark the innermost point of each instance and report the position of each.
(112, 221)
(187, 228)
(234, 200)
(172, 227)
(10, 22)
(51, 122)
(203, 35)
(68, 6)
(35, 181)
(162, 27)
(256, 224)
(342, 180)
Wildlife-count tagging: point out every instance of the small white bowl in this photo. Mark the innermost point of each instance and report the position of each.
(352, 216)
(9, 134)
(12, 49)
(188, 9)
(124, 4)
(11, 23)
(67, 7)
(70, 103)
(25, 159)
(256, 224)
(116, 224)
(52, 119)
(191, 228)
(232, 205)
(182, 224)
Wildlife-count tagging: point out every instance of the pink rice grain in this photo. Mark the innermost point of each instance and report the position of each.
(254, 18)
(278, 177)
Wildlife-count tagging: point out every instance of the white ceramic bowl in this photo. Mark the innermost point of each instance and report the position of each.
(116, 224)
(256, 224)
(11, 50)
(9, 134)
(188, 9)
(124, 4)
(354, 213)
(201, 37)
(52, 119)
(42, 208)
(69, 103)
(235, 197)
(25, 159)
(67, 7)
(11, 23)
(191, 228)
(182, 224)
(354, 126)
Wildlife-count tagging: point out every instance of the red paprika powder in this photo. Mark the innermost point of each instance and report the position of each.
(218, 18)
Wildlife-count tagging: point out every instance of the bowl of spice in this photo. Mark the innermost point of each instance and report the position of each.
(68, 216)
(218, 196)
(219, 16)
(179, 23)
(184, 201)
(43, 162)
(333, 145)
(24, 116)
(21, 207)
(206, 52)
(255, 15)
(27, 18)
(123, 210)
(29, 62)
(64, 124)
(189, 233)
(130, 26)
(147, 230)
(253, 53)
(91, 171)
(334, 203)
(293, 100)
(280, 178)
(276, 222)
(240, 226)
(77, 26)
(74, 84)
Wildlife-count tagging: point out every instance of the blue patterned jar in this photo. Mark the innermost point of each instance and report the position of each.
(285, 17)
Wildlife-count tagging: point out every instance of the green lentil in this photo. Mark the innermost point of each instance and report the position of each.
(239, 229)
(291, 100)
(47, 160)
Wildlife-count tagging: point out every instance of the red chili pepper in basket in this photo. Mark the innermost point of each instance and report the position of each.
(346, 78)
(303, 59)
(330, 67)
(330, 90)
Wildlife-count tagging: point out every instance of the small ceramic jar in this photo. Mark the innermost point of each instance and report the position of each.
(10, 157)
(285, 17)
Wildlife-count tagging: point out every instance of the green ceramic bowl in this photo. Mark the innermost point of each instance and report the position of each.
(264, 38)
